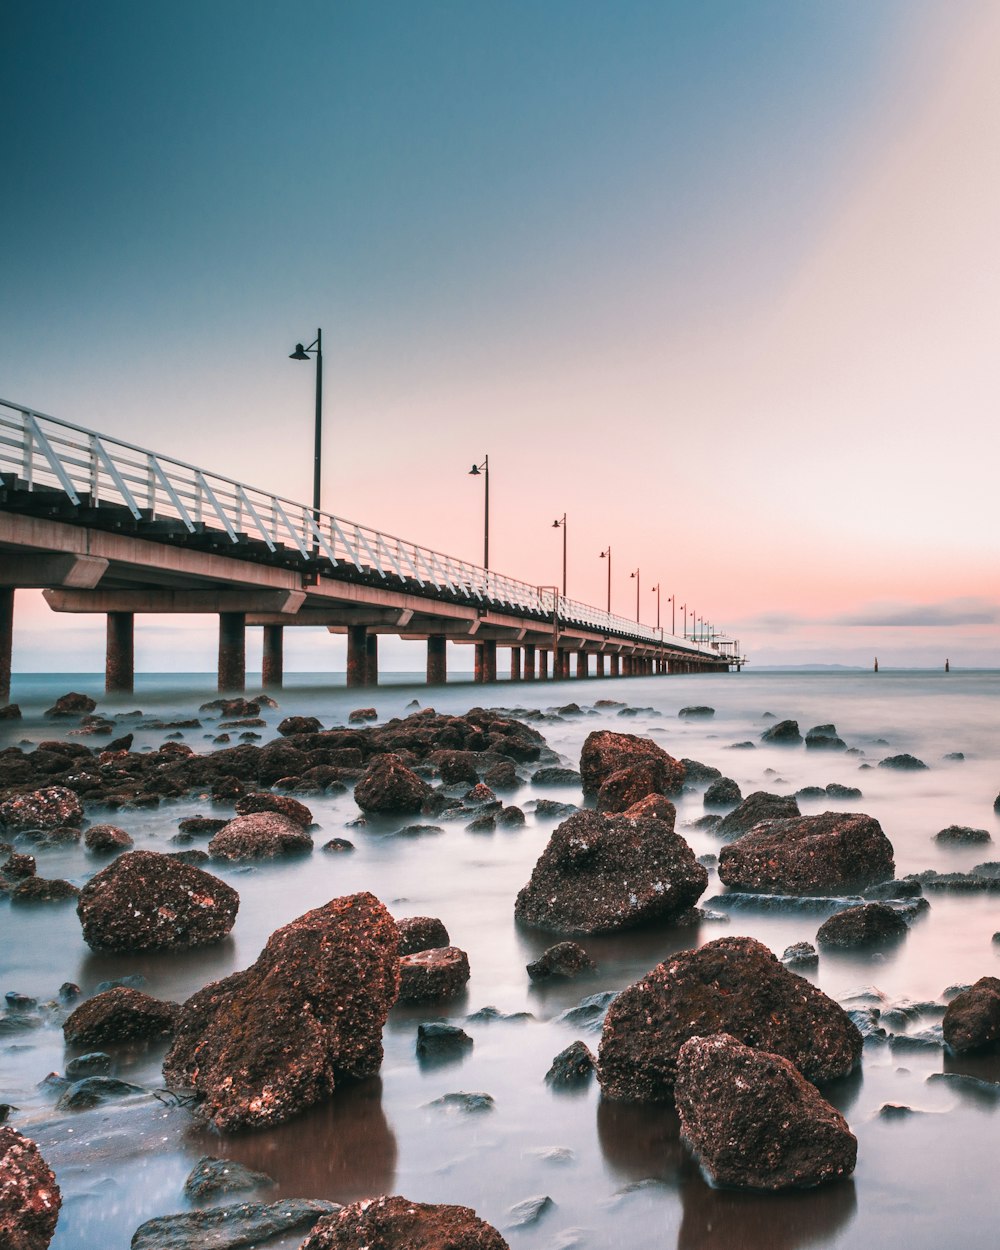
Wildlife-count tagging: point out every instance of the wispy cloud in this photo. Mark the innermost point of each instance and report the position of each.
(951, 612)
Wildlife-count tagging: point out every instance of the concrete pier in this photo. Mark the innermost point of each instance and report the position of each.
(437, 660)
(6, 640)
(119, 660)
(371, 660)
(357, 655)
(489, 661)
(273, 657)
(232, 651)
(543, 666)
(529, 661)
(515, 663)
(582, 665)
(616, 663)
(599, 664)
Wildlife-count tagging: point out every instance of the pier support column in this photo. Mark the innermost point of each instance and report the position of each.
(6, 640)
(273, 658)
(437, 661)
(582, 664)
(616, 665)
(529, 661)
(232, 651)
(599, 664)
(489, 661)
(543, 666)
(558, 663)
(119, 657)
(357, 655)
(371, 660)
(515, 663)
(478, 673)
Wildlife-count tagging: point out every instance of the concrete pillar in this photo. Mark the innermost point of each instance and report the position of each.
(479, 665)
(232, 651)
(558, 663)
(543, 666)
(489, 661)
(119, 657)
(529, 661)
(273, 657)
(357, 655)
(628, 665)
(437, 661)
(371, 660)
(6, 640)
(515, 663)
(616, 665)
(599, 664)
(582, 664)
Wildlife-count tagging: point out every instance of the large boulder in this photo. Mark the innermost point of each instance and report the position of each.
(830, 853)
(120, 1014)
(605, 752)
(148, 901)
(72, 704)
(29, 1196)
(753, 809)
(785, 731)
(266, 1043)
(627, 786)
(260, 835)
(871, 924)
(396, 1222)
(972, 1020)
(283, 804)
(600, 874)
(732, 985)
(754, 1121)
(50, 808)
(389, 787)
(107, 839)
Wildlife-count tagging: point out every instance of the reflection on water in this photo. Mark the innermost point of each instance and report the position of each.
(723, 1219)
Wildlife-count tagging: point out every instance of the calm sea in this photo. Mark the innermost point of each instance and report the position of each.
(618, 1176)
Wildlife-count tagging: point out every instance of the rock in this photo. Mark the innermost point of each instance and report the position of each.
(71, 704)
(107, 838)
(590, 1011)
(388, 786)
(605, 753)
(754, 1121)
(962, 835)
(481, 794)
(501, 776)
(202, 825)
(742, 746)
(457, 766)
(225, 1228)
(482, 824)
(266, 1043)
(906, 763)
(552, 776)
(10, 711)
(299, 725)
(96, 1063)
(626, 787)
(120, 1014)
(755, 808)
(549, 809)
(836, 791)
(238, 706)
(438, 1041)
(510, 818)
(893, 889)
(421, 933)
(700, 712)
(438, 973)
(972, 1020)
(211, 1176)
(262, 835)
(600, 874)
(360, 714)
(564, 960)
(732, 985)
(45, 809)
(800, 955)
(493, 1015)
(653, 806)
(147, 901)
(337, 845)
(29, 1196)
(396, 1223)
(529, 1211)
(18, 867)
(43, 890)
(290, 808)
(808, 855)
(785, 731)
(463, 1102)
(573, 1066)
(415, 831)
(92, 1091)
(824, 738)
(872, 924)
(723, 793)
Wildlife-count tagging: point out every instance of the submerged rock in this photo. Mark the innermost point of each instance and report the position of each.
(723, 793)
(291, 809)
(211, 1176)
(573, 1066)
(962, 835)
(972, 1021)
(800, 955)
(564, 960)
(107, 839)
(29, 1196)
(785, 731)
(396, 1222)
(225, 1228)
(120, 1014)
(871, 924)
(905, 763)
(437, 1041)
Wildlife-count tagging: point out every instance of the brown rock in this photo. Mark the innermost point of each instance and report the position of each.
(29, 1196)
(629, 786)
(732, 985)
(421, 933)
(71, 704)
(972, 1020)
(107, 838)
(837, 851)
(362, 714)
(871, 924)
(753, 809)
(41, 809)
(565, 959)
(264, 1044)
(754, 1121)
(600, 874)
(43, 890)
(120, 1014)
(456, 766)
(147, 901)
(653, 805)
(441, 972)
(299, 725)
(263, 835)
(396, 1223)
(605, 753)
(388, 786)
(19, 866)
(291, 808)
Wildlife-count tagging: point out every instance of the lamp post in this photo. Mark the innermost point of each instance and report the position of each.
(606, 555)
(673, 615)
(315, 348)
(562, 525)
(637, 581)
(475, 471)
(684, 609)
(656, 591)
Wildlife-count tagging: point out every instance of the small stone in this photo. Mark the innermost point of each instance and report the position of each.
(872, 924)
(723, 793)
(905, 763)
(962, 835)
(464, 1102)
(702, 713)
(337, 845)
(800, 955)
(421, 933)
(94, 1090)
(436, 1041)
(529, 1211)
(211, 1176)
(573, 1066)
(362, 714)
(563, 960)
(438, 973)
(96, 1063)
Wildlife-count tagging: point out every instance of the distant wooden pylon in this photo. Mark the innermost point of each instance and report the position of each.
(947, 666)
(876, 664)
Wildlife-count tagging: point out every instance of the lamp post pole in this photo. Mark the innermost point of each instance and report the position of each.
(606, 555)
(637, 583)
(484, 469)
(315, 348)
(673, 615)
(562, 525)
(684, 609)
(656, 589)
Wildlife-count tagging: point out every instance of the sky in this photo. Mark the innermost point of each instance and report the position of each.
(719, 281)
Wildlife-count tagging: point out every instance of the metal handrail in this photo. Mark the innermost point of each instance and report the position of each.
(91, 468)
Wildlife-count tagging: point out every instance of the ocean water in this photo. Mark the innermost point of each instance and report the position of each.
(617, 1175)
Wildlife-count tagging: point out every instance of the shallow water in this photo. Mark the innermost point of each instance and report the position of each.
(618, 1175)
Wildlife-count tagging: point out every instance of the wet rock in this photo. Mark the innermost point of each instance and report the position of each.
(741, 746)
(605, 753)
(482, 824)
(225, 1228)
(92, 1091)
(973, 1087)
(629, 786)
(263, 835)
(501, 776)
(69, 991)
(962, 835)
(785, 731)
(692, 713)
(360, 714)
(836, 791)
(29, 1196)
(562, 961)
(436, 1041)
(49, 808)
(549, 809)
(510, 818)
(120, 1014)
(464, 1102)
(755, 808)
(600, 874)
(96, 1063)
(811, 792)
(754, 1121)
(10, 711)
(337, 845)
(290, 808)
(732, 985)
(72, 704)
(957, 882)
(458, 766)
(148, 901)
(211, 1176)
(872, 924)
(43, 890)
(808, 855)
(396, 1222)
(553, 776)
(202, 825)
(527, 1212)
(18, 866)
(723, 793)
(388, 786)
(824, 738)
(437, 973)
(107, 838)
(590, 1011)
(421, 933)
(573, 1066)
(972, 1021)
(905, 763)
(266, 1043)
(418, 831)
(800, 955)
(299, 725)
(711, 821)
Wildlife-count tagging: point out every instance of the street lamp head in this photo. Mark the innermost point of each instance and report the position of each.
(299, 353)
(475, 470)
(635, 574)
(555, 525)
